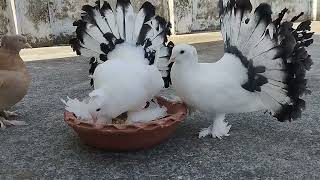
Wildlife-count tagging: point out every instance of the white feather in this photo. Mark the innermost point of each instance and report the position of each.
(139, 21)
(153, 112)
(120, 20)
(128, 52)
(95, 33)
(255, 37)
(79, 108)
(127, 85)
(112, 22)
(90, 43)
(101, 22)
(130, 23)
(89, 53)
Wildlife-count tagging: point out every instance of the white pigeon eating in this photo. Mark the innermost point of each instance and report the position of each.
(129, 56)
(263, 68)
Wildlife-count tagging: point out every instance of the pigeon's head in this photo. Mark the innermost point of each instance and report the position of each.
(184, 53)
(97, 104)
(14, 43)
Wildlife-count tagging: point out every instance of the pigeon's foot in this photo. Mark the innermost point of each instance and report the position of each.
(11, 114)
(205, 132)
(4, 123)
(8, 114)
(219, 129)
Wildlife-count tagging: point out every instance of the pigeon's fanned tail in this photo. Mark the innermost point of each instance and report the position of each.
(273, 52)
(101, 30)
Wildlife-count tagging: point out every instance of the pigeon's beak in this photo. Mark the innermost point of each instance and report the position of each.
(27, 45)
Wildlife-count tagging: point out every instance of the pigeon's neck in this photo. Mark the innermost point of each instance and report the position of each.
(184, 66)
(187, 62)
(11, 50)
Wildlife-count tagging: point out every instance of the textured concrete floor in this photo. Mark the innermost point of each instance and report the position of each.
(259, 146)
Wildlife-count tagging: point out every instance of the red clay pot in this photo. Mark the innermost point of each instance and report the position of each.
(129, 137)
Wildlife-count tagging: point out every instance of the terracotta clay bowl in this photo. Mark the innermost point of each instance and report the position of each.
(131, 137)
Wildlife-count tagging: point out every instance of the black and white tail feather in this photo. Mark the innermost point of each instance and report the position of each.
(101, 29)
(273, 52)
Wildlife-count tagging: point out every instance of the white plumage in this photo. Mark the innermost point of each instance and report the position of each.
(133, 53)
(154, 111)
(79, 108)
(263, 67)
(134, 85)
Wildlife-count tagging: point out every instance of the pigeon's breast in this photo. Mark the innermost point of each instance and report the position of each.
(13, 88)
(185, 84)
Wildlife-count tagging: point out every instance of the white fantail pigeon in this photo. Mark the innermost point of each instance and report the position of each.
(129, 56)
(263, 68)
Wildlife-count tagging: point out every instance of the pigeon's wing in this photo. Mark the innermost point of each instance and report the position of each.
(13, 87)
(104, 34)
(9, 79)
(129, 76)
(135, 84)
(273, 52)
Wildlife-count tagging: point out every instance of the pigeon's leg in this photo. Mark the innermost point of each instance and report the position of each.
(3, 114)
(11, 114)
(4, 123)
(218, 129)
(8, 114)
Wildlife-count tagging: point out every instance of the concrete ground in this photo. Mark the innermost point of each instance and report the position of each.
(259, 146)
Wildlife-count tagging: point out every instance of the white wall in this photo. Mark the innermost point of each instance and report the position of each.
(6, 18)
(49, 22)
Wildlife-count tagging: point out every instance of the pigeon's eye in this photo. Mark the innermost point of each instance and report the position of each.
(98, 110)
(182, 52)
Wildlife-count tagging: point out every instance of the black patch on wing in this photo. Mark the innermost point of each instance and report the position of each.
(149, 10)
(264, 12)
(255, 80)
(297, 61)
(243, 5)
(94, 63)
(75, 45)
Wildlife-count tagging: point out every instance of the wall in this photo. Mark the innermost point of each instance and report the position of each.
(318, 10)
(49, 22)
(202, 15)
(6, 18)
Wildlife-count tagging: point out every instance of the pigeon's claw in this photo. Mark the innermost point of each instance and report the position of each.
(205, 132)
(218, 131)
(5, 123)
(11, 114)
(8, 114)
(2, 125)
